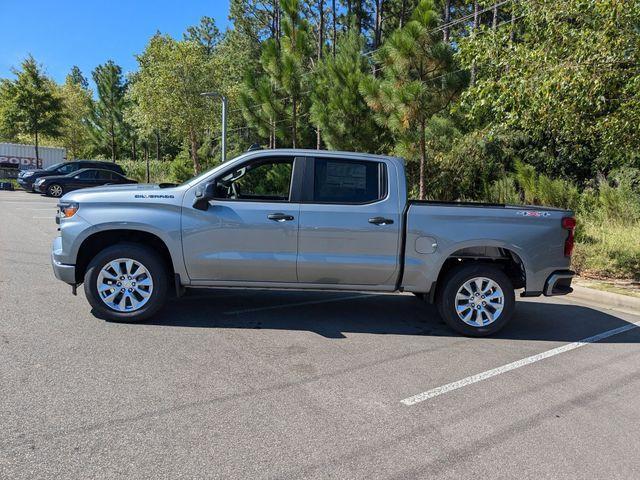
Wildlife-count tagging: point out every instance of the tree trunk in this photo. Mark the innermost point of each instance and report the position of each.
(403, 12)
(38, 164)
(318, 139)
(320, 28)
(512, 34)
(494, 20)
(157, 145)
(276, 19)
(134, 153)
(112, 138)
(148, 170)
(335, 33)
(377, 38)
(294, 126)
(447, 20)
(194, 150)
(423, 159)
(476, 8)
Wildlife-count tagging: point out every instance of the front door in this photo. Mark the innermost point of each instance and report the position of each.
(250, 231)
(349, 224)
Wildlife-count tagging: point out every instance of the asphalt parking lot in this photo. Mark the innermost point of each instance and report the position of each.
(260, 384)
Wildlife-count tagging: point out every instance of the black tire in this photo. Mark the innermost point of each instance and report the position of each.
(151, 261)
(455, 279)
(53, 192)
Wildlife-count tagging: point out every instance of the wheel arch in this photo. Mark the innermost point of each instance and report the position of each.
(99, 240)
(506, 257)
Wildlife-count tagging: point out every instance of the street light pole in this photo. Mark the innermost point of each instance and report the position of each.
(224, 120)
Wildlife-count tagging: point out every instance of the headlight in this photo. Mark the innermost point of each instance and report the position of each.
(27, 174)
(40, 181)
(68, 210)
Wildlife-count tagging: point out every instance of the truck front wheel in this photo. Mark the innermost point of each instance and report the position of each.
(126, 283)
(476, 299)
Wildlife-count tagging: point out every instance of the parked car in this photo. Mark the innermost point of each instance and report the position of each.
(85, 178)
(308, 219)
(27, 178)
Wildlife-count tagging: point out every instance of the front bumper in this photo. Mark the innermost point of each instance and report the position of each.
(559, 283)
(62, 271)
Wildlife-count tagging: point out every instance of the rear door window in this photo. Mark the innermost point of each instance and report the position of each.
(348, 181)
(87, 175)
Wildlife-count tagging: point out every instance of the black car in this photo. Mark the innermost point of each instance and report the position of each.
(27, 178)
(85, 178)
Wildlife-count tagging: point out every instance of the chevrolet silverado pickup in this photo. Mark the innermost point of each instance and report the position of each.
(308, 219)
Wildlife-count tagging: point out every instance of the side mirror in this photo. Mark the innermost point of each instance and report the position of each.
(203, 195)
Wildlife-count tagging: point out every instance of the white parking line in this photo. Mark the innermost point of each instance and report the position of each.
(421, 397)
(299, 304)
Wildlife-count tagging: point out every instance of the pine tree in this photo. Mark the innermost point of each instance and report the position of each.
(30, 104)
(418, 80)
(338, 108)
(205, 34)
(107, 117)
(283, 62)
(77, 104)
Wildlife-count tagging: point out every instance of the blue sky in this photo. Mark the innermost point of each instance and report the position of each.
(63, 33)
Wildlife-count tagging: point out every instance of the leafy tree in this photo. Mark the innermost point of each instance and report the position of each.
(338, 107)
(76, 96)
(167, 90)
(418, 80)
(569, 82)
(107, 116)
(31, 104)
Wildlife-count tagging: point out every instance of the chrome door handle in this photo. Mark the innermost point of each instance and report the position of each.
(381, 221)
(280, 217)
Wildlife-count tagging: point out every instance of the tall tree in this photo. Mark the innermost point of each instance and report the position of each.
(284, 64)
(568, 83)
(418, 81)
(107, 117)
(167, 91)
(76, 96)
(206, 34)
(30, 104)
(338, 107)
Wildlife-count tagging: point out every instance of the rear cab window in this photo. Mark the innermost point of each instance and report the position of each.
(346, 181)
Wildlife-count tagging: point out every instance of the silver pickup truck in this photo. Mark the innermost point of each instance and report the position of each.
(308, 219)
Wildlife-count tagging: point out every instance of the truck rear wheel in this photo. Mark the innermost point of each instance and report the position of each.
(126, 283)
(476, 299)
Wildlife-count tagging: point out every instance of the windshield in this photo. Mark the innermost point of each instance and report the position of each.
(196, 178)
(53, 167)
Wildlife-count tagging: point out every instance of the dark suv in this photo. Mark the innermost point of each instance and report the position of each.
(27, 178)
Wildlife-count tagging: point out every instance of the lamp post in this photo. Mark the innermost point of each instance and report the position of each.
(224, 120)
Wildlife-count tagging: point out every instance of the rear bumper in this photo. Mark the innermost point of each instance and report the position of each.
(62, 271)
(559, 283)
(25, 184)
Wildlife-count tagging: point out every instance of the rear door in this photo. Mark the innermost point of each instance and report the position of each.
(350, 223)
(249, 233)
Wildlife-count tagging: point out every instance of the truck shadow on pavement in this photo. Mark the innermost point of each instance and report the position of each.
(333, 314)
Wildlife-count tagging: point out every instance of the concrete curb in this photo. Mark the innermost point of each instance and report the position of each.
(608, 299)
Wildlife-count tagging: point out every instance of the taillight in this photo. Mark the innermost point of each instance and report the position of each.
(569, 223)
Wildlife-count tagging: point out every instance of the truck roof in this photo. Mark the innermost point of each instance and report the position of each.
(324, 153)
